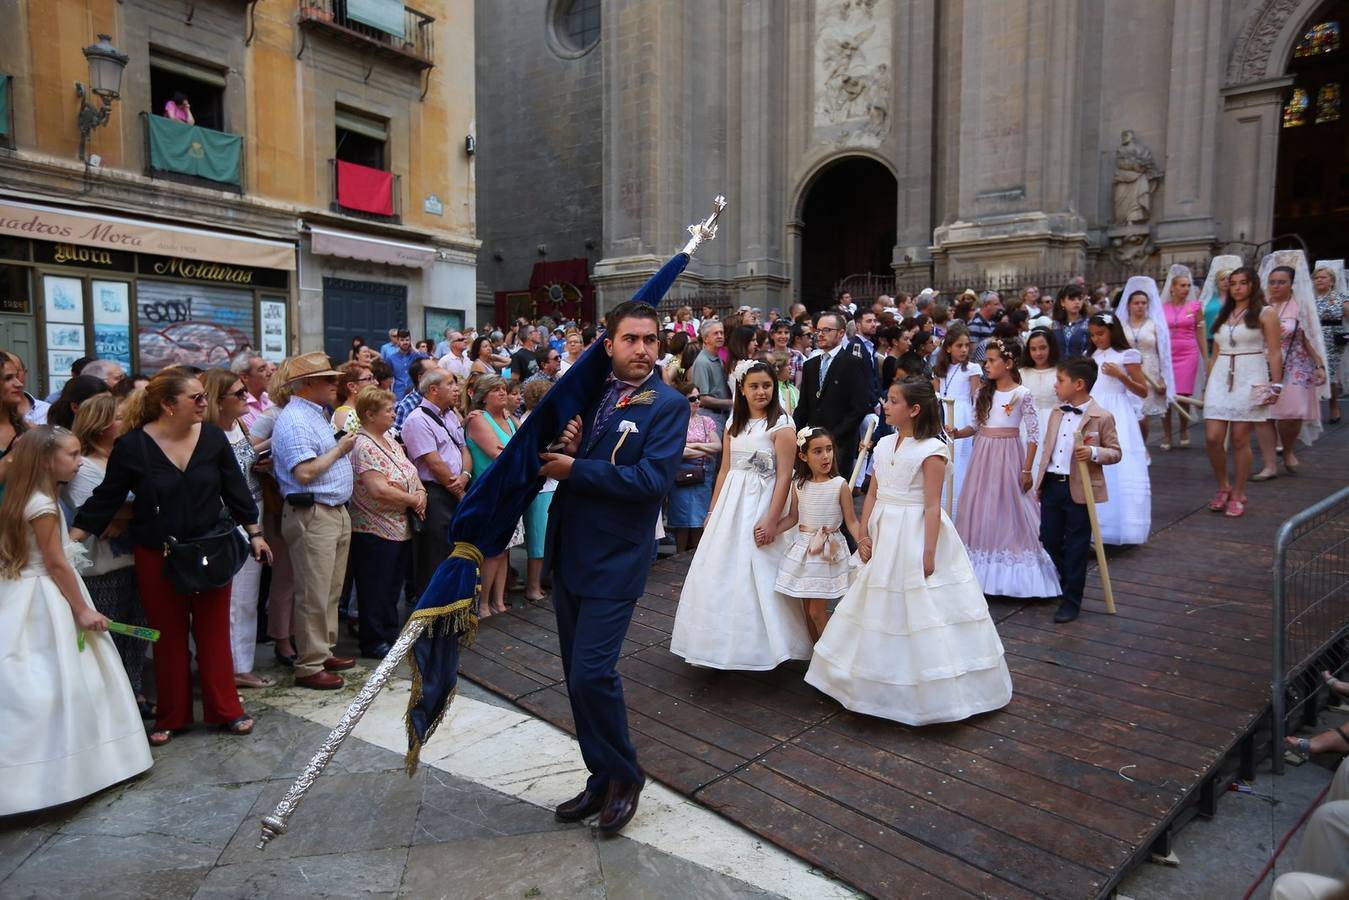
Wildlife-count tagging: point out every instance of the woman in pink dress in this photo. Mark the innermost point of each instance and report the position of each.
(1185, 322)
(1297, 413)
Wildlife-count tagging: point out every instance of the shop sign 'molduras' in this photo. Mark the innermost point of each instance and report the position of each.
(201, 271)
(96, 230)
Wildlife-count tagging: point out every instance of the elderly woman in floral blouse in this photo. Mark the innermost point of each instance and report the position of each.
(386, 497)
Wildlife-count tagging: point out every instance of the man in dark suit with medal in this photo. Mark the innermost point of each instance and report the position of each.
(836, 390)
(616, 464)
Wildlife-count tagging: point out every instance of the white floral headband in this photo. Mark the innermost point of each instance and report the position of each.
(805, 434)
(742, 369)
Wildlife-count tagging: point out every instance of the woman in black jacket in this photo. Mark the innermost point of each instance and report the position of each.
(183, 473)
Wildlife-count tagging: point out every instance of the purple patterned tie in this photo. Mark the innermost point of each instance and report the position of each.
(607, 408)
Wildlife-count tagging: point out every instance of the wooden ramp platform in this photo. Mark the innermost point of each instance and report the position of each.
(1115, 723)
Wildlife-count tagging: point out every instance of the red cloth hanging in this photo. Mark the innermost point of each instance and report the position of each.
(361, 187)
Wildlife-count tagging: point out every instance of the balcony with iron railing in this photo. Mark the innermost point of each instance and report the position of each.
(366, 193)
(193, 154)
(400, 34)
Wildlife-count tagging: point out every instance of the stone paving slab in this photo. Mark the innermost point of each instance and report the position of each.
(341, 814)
(188, 829)
(368, 874)
(560, 864)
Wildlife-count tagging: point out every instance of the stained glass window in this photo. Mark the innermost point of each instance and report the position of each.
(1295, 110)
(1328, 103)
(1321, 38)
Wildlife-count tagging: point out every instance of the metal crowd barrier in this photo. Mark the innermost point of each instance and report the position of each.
(1311, 610)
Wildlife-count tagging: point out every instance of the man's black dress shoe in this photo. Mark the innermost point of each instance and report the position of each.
(620, 805)
(582, 806)
(379, 651)
(1066, 613)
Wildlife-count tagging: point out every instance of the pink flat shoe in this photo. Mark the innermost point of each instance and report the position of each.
(1219, 501)
(1234, 508)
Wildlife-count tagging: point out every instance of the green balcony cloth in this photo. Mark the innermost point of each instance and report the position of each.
(193, 150)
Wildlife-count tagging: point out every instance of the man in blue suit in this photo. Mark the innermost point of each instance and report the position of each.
(616, 465)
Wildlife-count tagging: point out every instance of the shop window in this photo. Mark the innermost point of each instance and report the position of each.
(1323, 37)
(15, 297)
(1328, 103)
(201, 84)
(1295, 110)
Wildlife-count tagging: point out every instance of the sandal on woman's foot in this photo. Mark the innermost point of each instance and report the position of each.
(484, 612)
(1336, 685)
(1303, 746)
(1234, 508)
(1165, 445)
(1265, 476)
(159, 738)
(538, 599)
(1185, 441)
(1219, 501)
(253, 680)
(242, 725)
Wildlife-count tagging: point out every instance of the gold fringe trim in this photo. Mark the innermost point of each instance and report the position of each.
(458, 617)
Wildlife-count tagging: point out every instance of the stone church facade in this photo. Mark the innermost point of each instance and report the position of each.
(940, 139)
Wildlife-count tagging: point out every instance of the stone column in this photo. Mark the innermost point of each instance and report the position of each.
(1186, 230)
(1018, 121)
(1251, 118)
(914, 60)
(761, 273)
(644, 155)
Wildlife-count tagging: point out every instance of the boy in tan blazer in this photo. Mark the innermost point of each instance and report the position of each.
(1065, 529)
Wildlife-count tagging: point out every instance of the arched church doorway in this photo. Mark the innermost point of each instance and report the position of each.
(847, 226)
(1312, 186)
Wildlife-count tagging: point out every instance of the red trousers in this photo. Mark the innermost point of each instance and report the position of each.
(207, 616)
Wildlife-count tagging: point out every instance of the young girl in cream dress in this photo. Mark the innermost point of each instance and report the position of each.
(70, 721)
(912, 639)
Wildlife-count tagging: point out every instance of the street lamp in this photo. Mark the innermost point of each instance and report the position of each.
(106, 63)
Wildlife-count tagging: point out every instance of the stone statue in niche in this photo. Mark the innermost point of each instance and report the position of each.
(1136, 178)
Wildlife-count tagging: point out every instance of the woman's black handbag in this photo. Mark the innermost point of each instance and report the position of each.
(203, 563)
(208, 562)
(690, 474)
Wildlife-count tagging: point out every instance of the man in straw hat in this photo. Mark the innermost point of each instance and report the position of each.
(314, 474)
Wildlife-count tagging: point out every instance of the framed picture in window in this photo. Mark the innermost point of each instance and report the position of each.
(273, 330)
(64, 299)
(112, 321)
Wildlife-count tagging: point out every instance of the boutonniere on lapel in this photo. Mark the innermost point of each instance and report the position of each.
(643, 398)
(625, 428)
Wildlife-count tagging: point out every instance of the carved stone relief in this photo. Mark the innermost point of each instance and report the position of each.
(852, 71)
(1251, 52)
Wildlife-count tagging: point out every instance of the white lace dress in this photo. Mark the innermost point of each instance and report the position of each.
(69, 725)
(1126, 518)
(916, 649)
(730, 614)
(957, 386)
(1040, 383)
